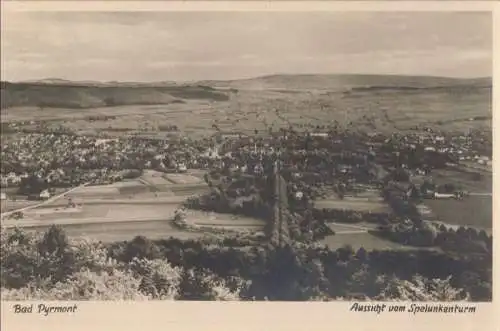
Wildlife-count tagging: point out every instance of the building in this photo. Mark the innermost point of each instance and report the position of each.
(319, 134)
(444, 195)
(181, 167)
(45, 194)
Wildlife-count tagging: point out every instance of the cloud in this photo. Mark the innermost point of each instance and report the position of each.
(222, 45)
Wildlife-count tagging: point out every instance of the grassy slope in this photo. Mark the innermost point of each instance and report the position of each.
(57, 93)
(65, 95)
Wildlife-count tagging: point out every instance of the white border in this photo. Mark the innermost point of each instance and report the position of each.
(179, 316)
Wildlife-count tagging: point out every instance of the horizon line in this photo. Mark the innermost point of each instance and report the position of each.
(41, 80)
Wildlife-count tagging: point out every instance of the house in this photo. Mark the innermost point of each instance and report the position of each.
(258, 169)
(319, 134)
(483, 159)
(444, 195)
(45, 194)
(181, 167)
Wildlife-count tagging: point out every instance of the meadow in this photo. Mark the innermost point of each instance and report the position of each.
(183, 179)
(223, 221)
(475, 211)
(467, 180)
(365, 240)
(362, 205)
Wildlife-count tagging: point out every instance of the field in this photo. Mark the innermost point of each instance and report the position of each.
(101, 191)
(465, 180)
(351, 228)
(354, 204)
(9, 205)
(188, 190)
(221, 221)
(475, 211)
(99, 211)
(183, 179)
(119, 231)
(357, 236)
(131, 208)
(154, 178)
(358, 240)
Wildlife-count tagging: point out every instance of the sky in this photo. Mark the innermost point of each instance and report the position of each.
(183, 46)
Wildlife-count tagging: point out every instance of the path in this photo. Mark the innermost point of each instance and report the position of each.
(485, 194)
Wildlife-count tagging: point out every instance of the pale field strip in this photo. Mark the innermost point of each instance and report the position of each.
(352, 204)
(117, 216)
(221, 217)
(183, 179)
(153, 200)
(336, 225)
(95, 191)
(108, 189)
(212, 219)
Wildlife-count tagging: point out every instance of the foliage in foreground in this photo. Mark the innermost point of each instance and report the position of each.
(50, 266)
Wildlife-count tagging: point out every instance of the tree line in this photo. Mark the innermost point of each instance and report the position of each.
(52, 266)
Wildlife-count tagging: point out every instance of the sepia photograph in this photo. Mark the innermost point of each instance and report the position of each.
(247, 156)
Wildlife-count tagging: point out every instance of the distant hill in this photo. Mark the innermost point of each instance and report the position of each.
(346, 82)
(60, 93)
(65, 94)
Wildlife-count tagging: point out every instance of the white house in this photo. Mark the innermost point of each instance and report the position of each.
(45, 194)
(444, 195)
(181, 167)
(319, 134)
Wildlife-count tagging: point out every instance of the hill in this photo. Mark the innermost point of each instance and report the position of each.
(59, 93)
(365, 102)
(55, 93)
(346, 82)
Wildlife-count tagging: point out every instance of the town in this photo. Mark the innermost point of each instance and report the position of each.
(300, 156)
(313, 186)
